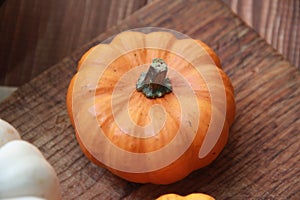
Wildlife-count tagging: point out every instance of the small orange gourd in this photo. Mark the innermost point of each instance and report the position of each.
(194, 196)
(159, 126)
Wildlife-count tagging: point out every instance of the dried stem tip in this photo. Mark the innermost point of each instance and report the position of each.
(154, 83)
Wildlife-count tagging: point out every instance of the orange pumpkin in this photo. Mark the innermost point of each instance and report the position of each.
(158, 140)
(194, 196)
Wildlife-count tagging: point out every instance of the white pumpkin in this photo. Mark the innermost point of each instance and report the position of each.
(7, 133)
(24, 172)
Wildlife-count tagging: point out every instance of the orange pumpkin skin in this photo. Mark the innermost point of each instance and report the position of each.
(194, 196)
(189, 160)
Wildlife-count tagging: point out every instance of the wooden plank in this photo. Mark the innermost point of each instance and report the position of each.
(261, 159)
(276, 21)
(37, 34)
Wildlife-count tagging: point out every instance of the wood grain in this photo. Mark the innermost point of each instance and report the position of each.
(278, 21)
(37, 34)
(261, 159)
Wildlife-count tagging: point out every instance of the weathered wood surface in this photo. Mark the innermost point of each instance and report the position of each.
(37, 34)
(261, 159)
(278, 21)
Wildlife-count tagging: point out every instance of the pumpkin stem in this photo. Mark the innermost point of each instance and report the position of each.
(154, 83)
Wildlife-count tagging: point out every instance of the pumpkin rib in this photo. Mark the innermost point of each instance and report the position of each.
(210, 52)
(84, 57)
(184, 173)
(69, 103)
(161, 175)
(135, 142)
(230, 100)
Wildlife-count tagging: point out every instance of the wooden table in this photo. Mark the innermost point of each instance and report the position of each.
(261, 159)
